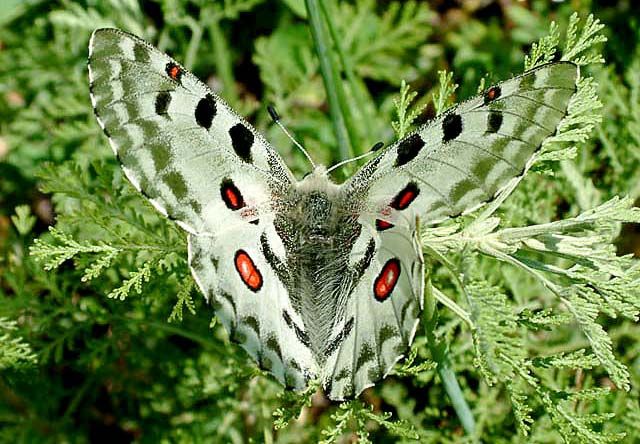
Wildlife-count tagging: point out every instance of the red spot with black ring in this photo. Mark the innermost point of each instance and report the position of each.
(404, 198)
(492, 94)
(173, 71)
(386, 280)
(248, 271)
(231, 195)
(382, 225)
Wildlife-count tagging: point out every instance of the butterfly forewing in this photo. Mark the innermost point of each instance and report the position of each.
(461, 159)
(177, 141)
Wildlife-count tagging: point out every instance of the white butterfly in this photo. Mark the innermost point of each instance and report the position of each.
(313, 279)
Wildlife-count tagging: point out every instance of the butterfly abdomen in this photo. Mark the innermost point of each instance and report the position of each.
(318, 236)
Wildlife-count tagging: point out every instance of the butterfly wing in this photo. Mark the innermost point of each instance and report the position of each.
(252, 304)
(208, 169)
(178, 142)
(461, 159)
(449, 166)
(381, 314)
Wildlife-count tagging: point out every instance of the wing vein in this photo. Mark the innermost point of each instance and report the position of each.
(511, 113)
(466, 174)
(466, 142)
(126, 97)
(434, 189)
(531, 99)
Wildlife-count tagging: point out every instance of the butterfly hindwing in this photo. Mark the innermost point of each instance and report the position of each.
(252, 304)
(381, 315)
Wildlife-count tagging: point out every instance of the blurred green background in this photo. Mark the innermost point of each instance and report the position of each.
(151, 365)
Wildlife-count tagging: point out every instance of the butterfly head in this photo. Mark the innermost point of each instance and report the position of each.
(317, 180)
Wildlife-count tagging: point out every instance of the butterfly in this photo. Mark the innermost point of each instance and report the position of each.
(315, 280)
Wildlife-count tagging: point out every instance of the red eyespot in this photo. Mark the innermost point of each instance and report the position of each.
(231, 195)
(382, 225)
(386, 280)
(404, 198)
(492, 94)
(173, 71)
(247, 270)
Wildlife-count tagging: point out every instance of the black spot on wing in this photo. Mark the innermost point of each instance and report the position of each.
(408, 149)
(163, 99)
(333, 345)
(300, 334)
(451, 127)
(364, 263)
(242, 141)
(494, 121)
(272, 344)
(277, 265)
(205, 111)
(253, 323)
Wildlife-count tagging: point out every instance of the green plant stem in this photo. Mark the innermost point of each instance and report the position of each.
(330, 78)
(205, 341)
(440, 354)
(192, 50)
(79, 395)
(360, 93)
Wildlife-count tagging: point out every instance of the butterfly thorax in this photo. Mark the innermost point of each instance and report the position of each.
(318, 233)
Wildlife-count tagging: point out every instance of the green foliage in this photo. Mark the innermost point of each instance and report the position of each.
(102, 329)
(14, 352)
(406, 117)
(23, 220)
(354, 413)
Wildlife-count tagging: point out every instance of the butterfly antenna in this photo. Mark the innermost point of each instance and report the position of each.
(373, 149)
(276, 119)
